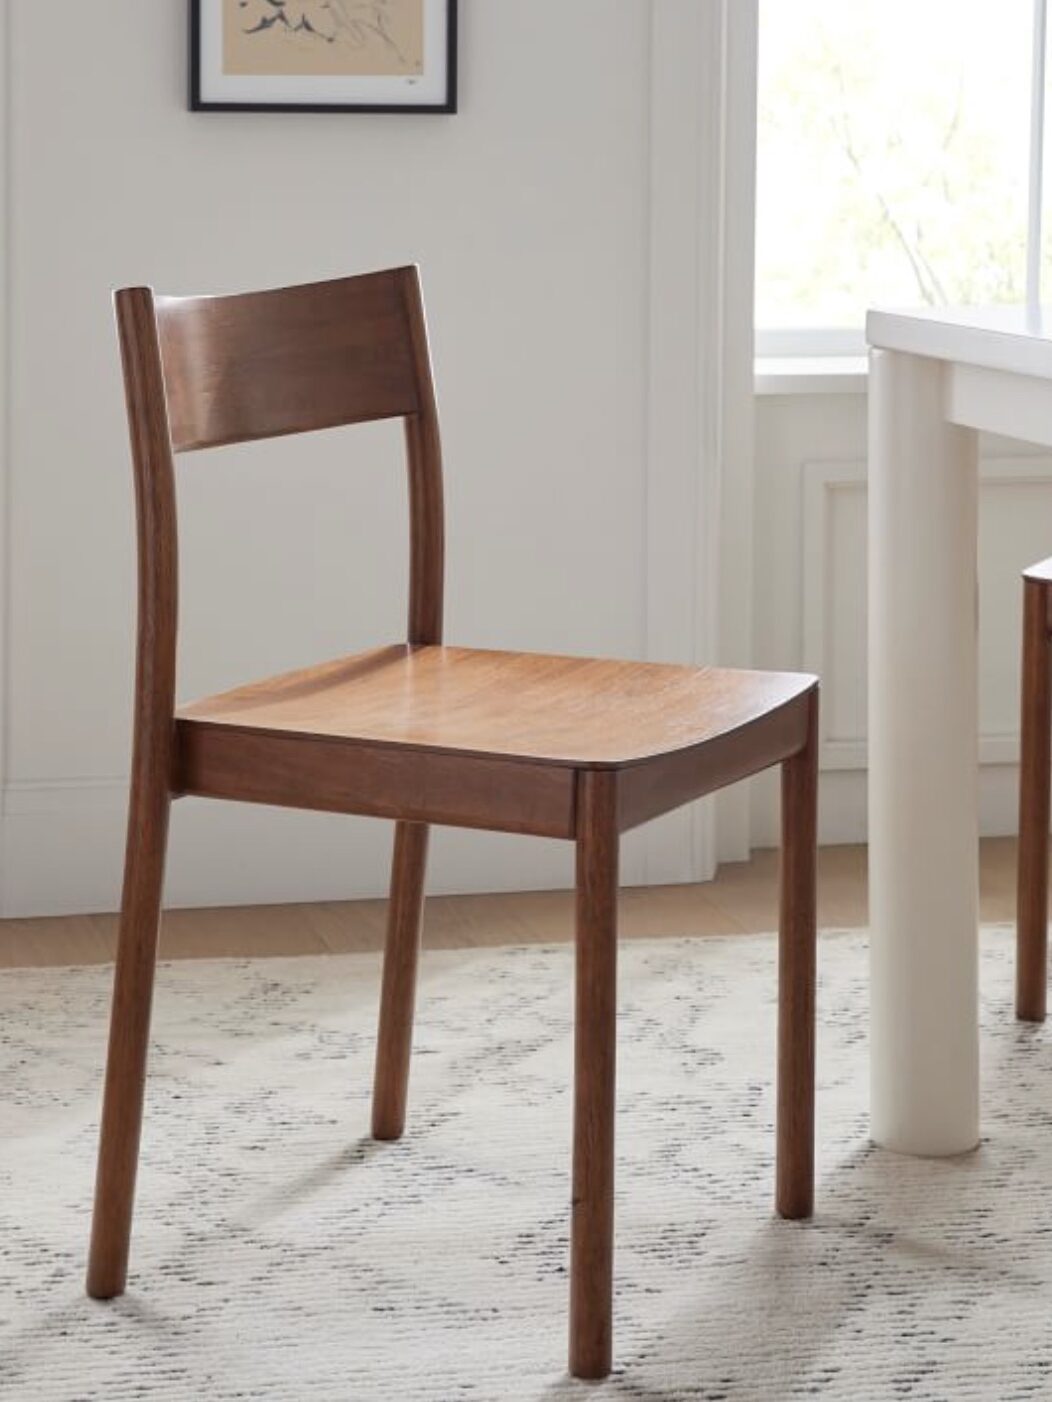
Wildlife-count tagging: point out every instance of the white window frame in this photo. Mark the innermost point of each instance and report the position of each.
(782, 354)
(819, 341)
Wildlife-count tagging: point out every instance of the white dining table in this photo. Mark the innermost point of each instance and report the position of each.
(937, 378)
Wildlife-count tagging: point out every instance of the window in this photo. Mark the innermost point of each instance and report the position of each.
(899, 150)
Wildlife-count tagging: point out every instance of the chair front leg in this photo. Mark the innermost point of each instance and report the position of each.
(595, 1031)
(1034, 761)
(797, 952)
(125, 1086)
(394, 1040)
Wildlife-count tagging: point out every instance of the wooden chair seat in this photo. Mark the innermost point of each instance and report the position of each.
(578, 711)
(486, 739)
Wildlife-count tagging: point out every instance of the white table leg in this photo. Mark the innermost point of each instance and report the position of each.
(923, 763)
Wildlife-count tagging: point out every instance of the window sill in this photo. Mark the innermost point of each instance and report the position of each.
(811, 374)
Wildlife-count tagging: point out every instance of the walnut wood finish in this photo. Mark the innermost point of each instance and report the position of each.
(595, 1040)
(797, 957)
(340, 776)
(149, 801)
(575, 748)
(394, 1039)
(1035, 761)
(647, 790)
(296, 359)
(570, 711)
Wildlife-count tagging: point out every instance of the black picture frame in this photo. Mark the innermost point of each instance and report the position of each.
(447, 106)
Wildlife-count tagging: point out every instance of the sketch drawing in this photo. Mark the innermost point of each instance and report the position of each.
(324, 36)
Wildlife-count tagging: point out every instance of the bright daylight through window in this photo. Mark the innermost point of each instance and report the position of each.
(894, 162)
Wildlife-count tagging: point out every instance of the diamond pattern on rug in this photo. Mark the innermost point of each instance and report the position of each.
(280, 1254)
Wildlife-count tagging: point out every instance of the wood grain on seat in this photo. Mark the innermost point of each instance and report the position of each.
(576, 711)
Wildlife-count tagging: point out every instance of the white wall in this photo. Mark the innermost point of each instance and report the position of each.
(579, 352)
(810, 593)
(529, 214)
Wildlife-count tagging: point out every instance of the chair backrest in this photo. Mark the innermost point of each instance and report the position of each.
(290, 360)
(204, 371)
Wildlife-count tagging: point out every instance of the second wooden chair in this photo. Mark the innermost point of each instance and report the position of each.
(1035, 760)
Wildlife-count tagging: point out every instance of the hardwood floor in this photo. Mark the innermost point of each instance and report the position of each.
(742, 899)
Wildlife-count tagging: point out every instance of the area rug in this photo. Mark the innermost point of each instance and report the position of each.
(281, 1254)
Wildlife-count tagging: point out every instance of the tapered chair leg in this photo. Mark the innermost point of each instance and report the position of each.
(125, 1085)
(794, 1194)
(1034, 762)
(397, 995)
(595, 1031)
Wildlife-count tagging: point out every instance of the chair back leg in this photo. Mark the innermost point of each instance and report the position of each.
(122, 1106)
(595, 1034)
(1034, 761)
(398, 992)
(797, 954)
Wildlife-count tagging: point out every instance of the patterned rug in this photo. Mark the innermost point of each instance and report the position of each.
(281, 1254)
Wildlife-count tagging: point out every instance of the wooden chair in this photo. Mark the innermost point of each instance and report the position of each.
(1035, 759)
(422, 733)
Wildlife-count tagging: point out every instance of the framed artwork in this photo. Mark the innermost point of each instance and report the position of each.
(323, 55)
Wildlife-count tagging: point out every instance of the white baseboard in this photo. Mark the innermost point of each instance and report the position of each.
(62, 852)
(842, 802)
(62, 847)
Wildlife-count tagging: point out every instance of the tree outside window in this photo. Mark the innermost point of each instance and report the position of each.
(893, 157)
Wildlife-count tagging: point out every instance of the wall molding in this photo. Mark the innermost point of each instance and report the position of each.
(5, 404)
(65, 845)
(700, 373)
(60, 796)
(822, 482)
(735, 453)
